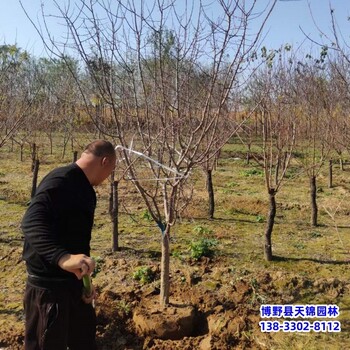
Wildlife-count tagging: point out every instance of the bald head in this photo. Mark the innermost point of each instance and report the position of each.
(100, 148)
(97, 161)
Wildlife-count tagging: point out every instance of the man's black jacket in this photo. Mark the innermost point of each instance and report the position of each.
(58, 221)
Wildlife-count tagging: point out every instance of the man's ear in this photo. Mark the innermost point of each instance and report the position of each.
(104, 161)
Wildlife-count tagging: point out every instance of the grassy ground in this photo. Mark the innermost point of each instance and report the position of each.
(310, 267)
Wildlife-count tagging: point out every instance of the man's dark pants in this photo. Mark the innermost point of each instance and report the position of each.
(56, 316)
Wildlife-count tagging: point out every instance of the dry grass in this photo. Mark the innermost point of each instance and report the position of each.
(302, 252)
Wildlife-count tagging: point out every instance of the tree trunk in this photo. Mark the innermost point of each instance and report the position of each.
(341, 163)
(278, 165)
(75, 156)
(51, 143)
(314, 209)
(165, 268)
(35, 177)
(21, 150)
(210, 190)
(269, 226)
(65, 142)
(248, 154)
(330, 183)
(34, 155)
(115, 210)
(111, 195)
(285, 157)
(216, 162)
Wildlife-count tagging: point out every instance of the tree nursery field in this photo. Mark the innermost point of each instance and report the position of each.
(219, 278)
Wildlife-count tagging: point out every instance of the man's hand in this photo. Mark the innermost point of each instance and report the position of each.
(79, 264)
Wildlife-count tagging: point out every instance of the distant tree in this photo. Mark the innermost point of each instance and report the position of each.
(335, 57)
(16, 93)
(57, 105)
(339, 96)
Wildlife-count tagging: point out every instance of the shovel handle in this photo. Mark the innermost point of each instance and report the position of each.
(87, 285)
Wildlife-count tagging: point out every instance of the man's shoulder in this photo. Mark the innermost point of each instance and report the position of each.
(58, 177)
(63, 171)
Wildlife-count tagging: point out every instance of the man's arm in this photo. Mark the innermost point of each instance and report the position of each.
(39, 233)
(38, 230)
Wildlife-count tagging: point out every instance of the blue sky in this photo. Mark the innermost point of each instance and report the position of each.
(288, 16)
(282, 27)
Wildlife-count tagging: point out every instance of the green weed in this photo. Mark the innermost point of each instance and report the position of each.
(315, 234)
(251, 172)
(98, 265)
(146, 215)
(202, 230)
(144, 275)
(260, 218)
(203, 248)
(176, 254)
(299, 245)
(125, 307)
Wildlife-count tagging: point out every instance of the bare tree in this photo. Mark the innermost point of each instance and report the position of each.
(271, 87)
(149, 58)
(315, 124)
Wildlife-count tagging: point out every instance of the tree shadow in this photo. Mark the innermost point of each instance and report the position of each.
(237, 220)
(150, 253)
(11, 240)
(277, 258)
(218, 219)
(13, 312)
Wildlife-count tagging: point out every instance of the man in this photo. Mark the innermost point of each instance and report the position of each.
(57, 228)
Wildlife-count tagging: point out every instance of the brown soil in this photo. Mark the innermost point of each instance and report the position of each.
(210, 306)
(208, 309)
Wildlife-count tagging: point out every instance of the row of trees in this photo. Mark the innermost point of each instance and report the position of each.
(302, 116)
(36, 95)
(170, 85)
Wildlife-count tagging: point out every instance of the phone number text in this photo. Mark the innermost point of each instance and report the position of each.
(300, 326)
